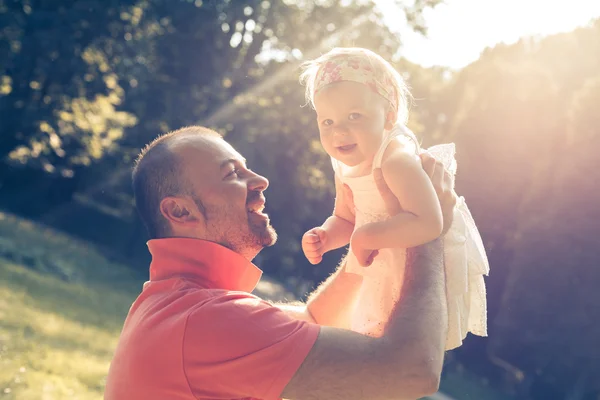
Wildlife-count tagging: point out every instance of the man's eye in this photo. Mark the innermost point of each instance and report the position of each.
(327, 122)
(232, 172)
(354, 116)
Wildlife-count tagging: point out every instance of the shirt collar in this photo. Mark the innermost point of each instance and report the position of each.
(207, 263)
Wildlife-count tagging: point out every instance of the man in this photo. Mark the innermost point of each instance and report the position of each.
(195, 331)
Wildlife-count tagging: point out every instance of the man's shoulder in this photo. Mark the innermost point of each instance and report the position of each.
(222, 303)
(231, 314)
(180, 300)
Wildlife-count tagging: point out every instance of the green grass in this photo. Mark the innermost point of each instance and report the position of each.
(58, 331)
(56, 338)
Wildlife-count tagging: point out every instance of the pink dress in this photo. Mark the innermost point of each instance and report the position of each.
(465, 260)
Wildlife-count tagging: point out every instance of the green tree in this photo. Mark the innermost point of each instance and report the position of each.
(58, 93)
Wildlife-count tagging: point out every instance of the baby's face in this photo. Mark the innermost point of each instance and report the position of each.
(351, 120)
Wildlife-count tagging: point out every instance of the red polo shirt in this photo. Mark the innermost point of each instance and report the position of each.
(195, 331)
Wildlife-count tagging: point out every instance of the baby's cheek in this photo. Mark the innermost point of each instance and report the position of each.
(370, 146)
(325, 142)
(328, 150)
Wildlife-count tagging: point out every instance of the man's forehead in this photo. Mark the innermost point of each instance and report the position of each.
(208, 149)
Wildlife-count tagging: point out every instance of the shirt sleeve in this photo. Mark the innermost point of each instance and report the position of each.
(237, 345)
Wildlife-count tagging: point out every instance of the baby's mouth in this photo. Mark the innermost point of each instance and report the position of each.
(347, 148)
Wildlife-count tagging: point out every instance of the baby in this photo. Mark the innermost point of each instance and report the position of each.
(361, 106)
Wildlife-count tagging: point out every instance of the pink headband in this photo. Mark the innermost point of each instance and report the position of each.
(357, 69)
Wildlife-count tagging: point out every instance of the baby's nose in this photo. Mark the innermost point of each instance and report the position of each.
(340, 129)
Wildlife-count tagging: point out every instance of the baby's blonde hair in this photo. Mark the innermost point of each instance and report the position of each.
(311, 68)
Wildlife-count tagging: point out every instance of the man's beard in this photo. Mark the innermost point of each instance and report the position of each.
(265, 234)
(261, 228)
(250, 240)
(245, 240)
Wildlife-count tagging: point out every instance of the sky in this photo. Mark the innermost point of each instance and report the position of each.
(459, 30)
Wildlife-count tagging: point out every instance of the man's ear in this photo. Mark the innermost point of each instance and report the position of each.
(180, 211)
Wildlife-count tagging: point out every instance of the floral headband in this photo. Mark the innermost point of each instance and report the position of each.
(357, 69)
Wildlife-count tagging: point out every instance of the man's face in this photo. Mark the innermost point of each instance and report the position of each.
(228, 194)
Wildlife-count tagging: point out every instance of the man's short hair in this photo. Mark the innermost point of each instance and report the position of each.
(158, 173)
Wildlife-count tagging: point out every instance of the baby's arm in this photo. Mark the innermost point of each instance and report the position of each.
(335, 231)
(421, 219)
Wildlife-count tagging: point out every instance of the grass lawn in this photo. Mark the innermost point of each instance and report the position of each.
(56, 338)
(58, 328)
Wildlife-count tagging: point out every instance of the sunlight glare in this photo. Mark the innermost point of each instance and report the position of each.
(459, 30)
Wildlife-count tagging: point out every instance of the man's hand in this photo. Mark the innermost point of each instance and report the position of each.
(443, 183)
(313, 244)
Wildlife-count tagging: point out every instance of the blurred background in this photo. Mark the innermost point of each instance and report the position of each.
(84, 84)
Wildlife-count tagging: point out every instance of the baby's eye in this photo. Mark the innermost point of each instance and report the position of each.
(354, 116)
(327, 122)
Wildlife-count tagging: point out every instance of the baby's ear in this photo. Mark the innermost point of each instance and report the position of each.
(390, 120)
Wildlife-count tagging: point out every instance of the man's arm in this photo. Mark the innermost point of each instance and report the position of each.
(405, 363)
(297, 310)
(330, 304)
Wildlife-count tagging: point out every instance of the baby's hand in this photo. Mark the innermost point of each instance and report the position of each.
(313, 244)
(364, 256)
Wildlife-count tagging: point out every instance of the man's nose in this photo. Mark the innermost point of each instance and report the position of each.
(257, 182)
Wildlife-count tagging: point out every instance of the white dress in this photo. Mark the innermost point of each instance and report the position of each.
(465, 260)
